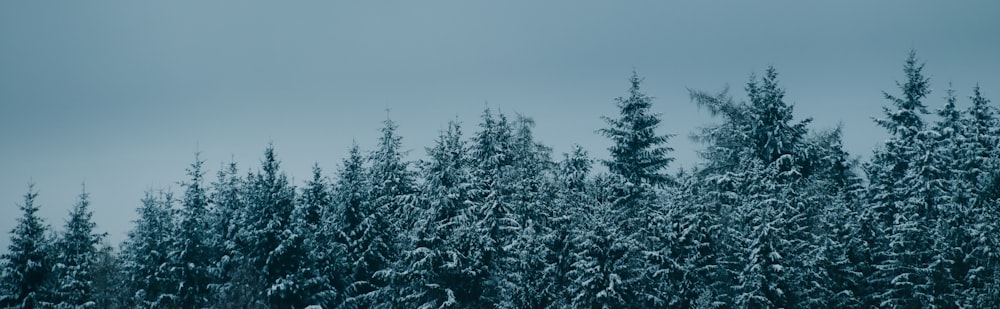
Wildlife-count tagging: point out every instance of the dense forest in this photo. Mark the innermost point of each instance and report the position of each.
(777, 215)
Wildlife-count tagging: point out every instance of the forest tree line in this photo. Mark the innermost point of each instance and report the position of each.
(777, 215)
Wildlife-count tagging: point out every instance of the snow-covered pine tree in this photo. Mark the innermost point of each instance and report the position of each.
(268, 223)
(603, 257)
(191, 253)
(572, 193)
(719, 182)
(76, 256)
(393, 185)
(761, 279)
(982, 175)
(754, 173)
(26, 268)
(686, 269)
(393, 208)
(351, 194)
(901, 203)
(311, 246)
(951, 158)
(774, 134)
(984, 131)
(328, 254)
(144, 254)
(496, 217)
(315, 200)
(230, 273)
(527, 278)
(436, 269)
(833, 188)
(268, 201)
(638, 157)
(638, 154)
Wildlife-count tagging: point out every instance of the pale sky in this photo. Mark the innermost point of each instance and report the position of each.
(120, 94)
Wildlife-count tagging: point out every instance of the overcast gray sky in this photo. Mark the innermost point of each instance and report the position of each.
(120, 94)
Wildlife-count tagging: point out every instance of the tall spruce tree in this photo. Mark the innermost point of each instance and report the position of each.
(638, 154)
(271, 200)
(351, 193)
(230, 273)
(573, 191)
(638, 159)
(76, 258)
(901, 200)
(496, 220)
(26, 266)
(191, 255)
(393, 185)
(144, 254)
(983, 176)
(527, 277)
(393, 206)
(757, 169)
(603, 270)
(436, 268)
(310, 247)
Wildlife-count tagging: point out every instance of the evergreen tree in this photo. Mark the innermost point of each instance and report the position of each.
(982, 175)
(762, 128)
(496, 220)
(26, 267)
(108, 289)
(833, 189)
(984, 132)
(639, 155)
(268, 228)
(231, 275)
(351, 193)
(527, 279)
(436, 269)
(191, 255)
(773, 133)
(901, 197)
(76, 258)
(685, 264)
(310, 246)
(757, 173)
(392, 186)
(950, 158)
(602, 271)
(393, 207)
(573, 190)
(144, 254)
